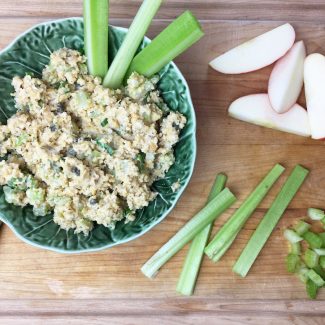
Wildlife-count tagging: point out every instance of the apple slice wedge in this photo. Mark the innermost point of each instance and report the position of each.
(314, 75)
(256, 53)
(257, 109)
(287, 78)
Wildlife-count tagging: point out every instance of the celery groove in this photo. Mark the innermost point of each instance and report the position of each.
(210, 212)
(134, 36)
(191, 267)
(228, 232)
(270, 220)
(183, 32)
(96, 36)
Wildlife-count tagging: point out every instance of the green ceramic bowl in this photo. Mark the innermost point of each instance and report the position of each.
(30, 52)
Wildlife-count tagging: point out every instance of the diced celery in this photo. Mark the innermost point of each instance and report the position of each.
(302, 273)
(311, 289)
(292, 236)
(316, 278)
(322, 236)
(313, 239)
(292, 261)
(295, 248)
(301, 227)
(270, 220)
(311, 258)
(320, 251)
(322, 261)
(315, 214)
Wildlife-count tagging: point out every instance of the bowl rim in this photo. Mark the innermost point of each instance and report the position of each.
(179, 193)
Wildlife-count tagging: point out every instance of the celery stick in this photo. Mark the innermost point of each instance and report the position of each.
(270, 220)
(315, 214)
(311, 258)
(313, 240)
(295, 248)
(316, 278)
(224, 249)
(301, 227)
(96, 36)
(209, 213)
(134, 36)
(292, 236)
(191, 267)
(177, 37)
(228, 232)
(311, 289)
(292, 262)
(322, 261)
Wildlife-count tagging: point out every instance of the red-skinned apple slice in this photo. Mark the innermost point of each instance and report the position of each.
(257, 109)
(287, 78)
(256, 53)
(314, 75)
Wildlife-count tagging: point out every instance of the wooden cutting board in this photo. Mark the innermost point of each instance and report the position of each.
(41, 287)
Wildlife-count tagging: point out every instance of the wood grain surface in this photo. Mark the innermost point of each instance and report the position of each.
(41, 287)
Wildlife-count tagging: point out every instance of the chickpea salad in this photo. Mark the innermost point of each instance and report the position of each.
(87, 153)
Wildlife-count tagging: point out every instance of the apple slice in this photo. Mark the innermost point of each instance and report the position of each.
(287, 78)
(256, 53)
(257, 109)
(314, 75)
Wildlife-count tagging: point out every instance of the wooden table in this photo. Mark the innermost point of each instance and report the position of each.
(41, 287)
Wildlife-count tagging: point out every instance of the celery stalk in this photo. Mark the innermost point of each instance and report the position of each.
(134, 36)
(210, 212)
(96, 36)
(228, 232)
(177, 37)
(270, 220)
(191, 267)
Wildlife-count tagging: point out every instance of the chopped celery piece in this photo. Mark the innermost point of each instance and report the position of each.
(320, 251)
(311, 289)
(311, 258)
(96, 36)
(322, 236)
(318, 269)
(210, 212)
(316, 278)
(302, 273)
(292, 236)
(292, 262)
(270, 220)
(301, 227)
(131, 42)
(315, 214)
(191, 267)
(183, 32)
(323, 221)
(228, 232)
(322, 261)
(313, 240)
(295, 248)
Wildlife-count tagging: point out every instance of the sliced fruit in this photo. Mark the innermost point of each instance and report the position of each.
(287, 78)
(257, 109)
(256, 53)
(314, 75)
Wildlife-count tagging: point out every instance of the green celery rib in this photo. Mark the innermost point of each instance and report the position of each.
(270, 220)
(227, 233)
(134, 36)
(209, 213)
(177, 37)
(191, 267)
(96, 36)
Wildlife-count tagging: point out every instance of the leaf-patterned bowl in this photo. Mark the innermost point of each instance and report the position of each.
(29, 53)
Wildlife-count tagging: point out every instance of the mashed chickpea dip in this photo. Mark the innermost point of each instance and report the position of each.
(84, 152)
